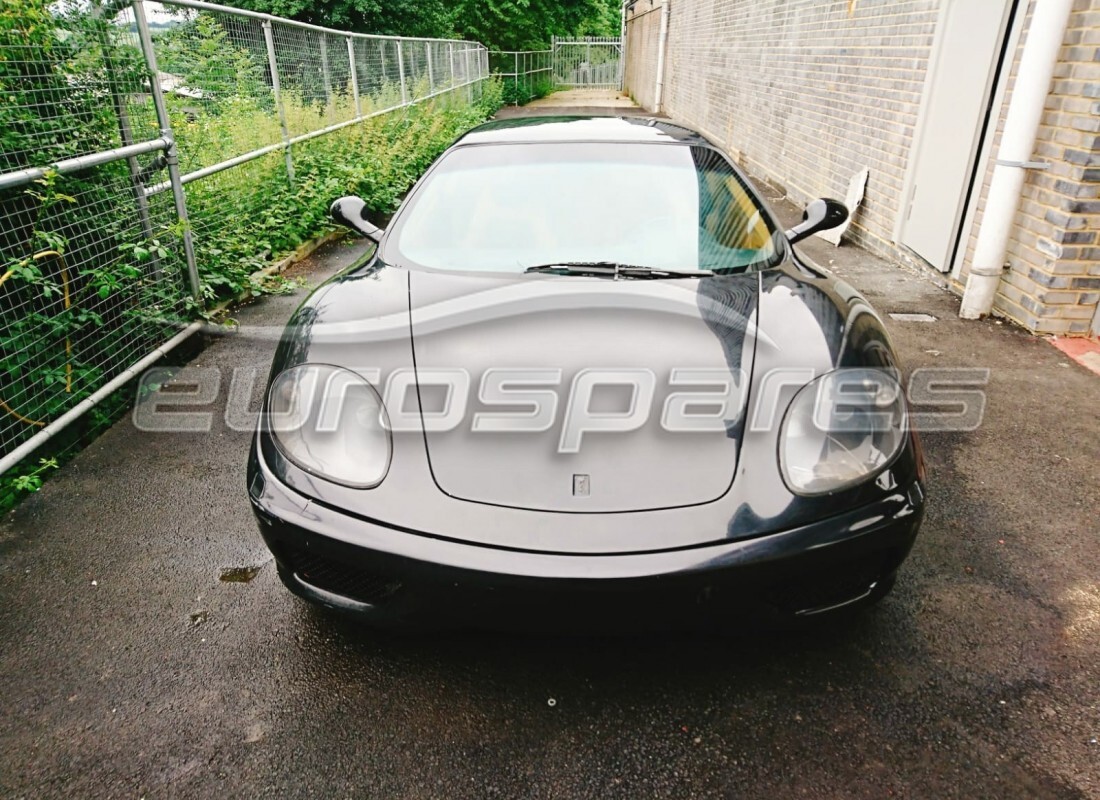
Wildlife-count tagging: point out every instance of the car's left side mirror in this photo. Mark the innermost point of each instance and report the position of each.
(822, 214)
(351, 212)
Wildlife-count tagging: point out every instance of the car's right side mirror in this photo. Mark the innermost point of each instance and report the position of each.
(351, 212)
(820, 215)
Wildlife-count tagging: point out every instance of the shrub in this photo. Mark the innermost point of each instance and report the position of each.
(525, 89)
(89, 282)
(378, 159)
(76, 303)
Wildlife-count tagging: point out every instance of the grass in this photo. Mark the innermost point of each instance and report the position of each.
(249, 216)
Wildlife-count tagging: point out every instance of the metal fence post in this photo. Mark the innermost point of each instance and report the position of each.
(269, 39)
(145, 160)
(324, 68)
(354, 76)
(401, 73)
(554, 59)
(171, 155)
(466, 75)
(431, 78)
(126, 136)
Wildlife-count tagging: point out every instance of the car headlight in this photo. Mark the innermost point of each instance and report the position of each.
(841, 429)
(330, 422)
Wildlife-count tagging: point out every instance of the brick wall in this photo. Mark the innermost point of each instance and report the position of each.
(805, 93)
(642, 32)
(1053, 281)
(808, 92)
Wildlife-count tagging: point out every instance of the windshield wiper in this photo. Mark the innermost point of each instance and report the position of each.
(577, 268)
(616, 270)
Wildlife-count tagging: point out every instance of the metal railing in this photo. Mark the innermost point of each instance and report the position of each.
(320, 75)
(526, 73)
(134, 139)
(589, 63)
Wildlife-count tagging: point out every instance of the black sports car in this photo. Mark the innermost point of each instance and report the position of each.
(585, 378)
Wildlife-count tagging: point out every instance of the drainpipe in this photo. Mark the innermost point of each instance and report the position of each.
(1025, 111)
(622, 45)
(662, 42)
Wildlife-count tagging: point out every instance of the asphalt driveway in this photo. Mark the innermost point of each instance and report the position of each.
(131, 669)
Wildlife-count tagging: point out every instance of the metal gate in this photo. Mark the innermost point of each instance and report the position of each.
(593, 62)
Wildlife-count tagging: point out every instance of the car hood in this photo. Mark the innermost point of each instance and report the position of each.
(808, 323)
(582, 395)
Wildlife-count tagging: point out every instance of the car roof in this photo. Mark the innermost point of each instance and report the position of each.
(581, 129)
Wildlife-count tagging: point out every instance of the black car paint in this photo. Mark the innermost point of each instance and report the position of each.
(757, 533)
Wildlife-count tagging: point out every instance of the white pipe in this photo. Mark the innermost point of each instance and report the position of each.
(1025, 111)
(662, 42)
(622, 45)
(9, 180)
(85, 405)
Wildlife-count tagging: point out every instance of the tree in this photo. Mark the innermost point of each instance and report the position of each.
(50, 110)
(209, 62)
(431, 18)
(498, 24)
(529, 24)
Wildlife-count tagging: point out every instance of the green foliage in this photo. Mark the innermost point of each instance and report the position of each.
(270, 215)
(378, 160)
(525, 89)
(87, 283)
(28, 476)
(201, 53)
(529, 24)
(391, 17)
(31, 481)
(74, 302)
(65, 323)
(45, 115)
(498, 24)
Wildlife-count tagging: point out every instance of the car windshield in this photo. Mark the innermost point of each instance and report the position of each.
(508, 207)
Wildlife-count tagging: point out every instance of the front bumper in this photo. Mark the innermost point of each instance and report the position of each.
(390, 575)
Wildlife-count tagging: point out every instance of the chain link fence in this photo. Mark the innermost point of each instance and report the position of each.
(591, 62)
(153, 156)
(526, 74)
